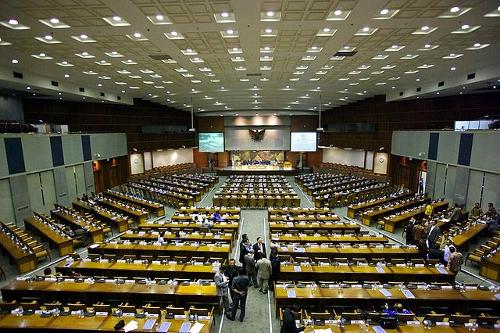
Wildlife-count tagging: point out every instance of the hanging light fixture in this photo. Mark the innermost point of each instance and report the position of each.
(319, 129)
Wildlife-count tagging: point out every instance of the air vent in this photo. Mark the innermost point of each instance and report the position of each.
(55, 83)
(82, 89)
(160, 57)
(471, 76)
(102, 94)
(254, 74)
(345, 54)
(118, 98)
(440, 84)
(401, 93)
(419, 89)
(18, 75)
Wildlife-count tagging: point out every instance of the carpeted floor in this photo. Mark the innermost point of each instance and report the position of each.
(260, 311)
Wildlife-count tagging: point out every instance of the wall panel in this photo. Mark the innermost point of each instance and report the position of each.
(35, 193)
(491, 192)
(449, 191)
(440, 179)
(49, 191)
(61, 186)
(341, 156)
(475, 188)
(71, 182)
(37, 152)
(20, 197)
(170, 157)
(89, 177)
(6, 208)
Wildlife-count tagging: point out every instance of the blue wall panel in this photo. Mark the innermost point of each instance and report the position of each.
(87, 150)
(465, 149)
(57, 151)
(14, 152)
(433, 146)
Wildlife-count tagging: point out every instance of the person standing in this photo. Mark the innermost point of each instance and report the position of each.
(275, 269)
(418, 232)
(290, 315)
(251, 270)
(429, 209)
(240, 290)
(231, 272)
(264, 271)
(260, 247)
(456, 214)
(408, 232)
(455, 261)
(222, 283)
(243, 248)
(433, 236)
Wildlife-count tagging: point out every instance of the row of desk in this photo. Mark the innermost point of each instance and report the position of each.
(154, 208)
(63, 243)
(353, 210)
(350, 252)
(106, 215)
(89, 292)
(154, 269)
(24, 260)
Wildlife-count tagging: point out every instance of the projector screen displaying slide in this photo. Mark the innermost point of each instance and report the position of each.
(303, 141)
(211, 142)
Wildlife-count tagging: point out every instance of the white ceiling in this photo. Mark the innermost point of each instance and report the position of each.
(299, 29)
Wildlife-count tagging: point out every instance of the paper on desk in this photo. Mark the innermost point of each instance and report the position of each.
(442, 270)
(164, 327)
(380, 269)
(297, 269)
(185, 327)
(378, 329)
(385, 292)
(408, 294)
(131, 326)
(149, 324)
(196, 328)
(291, 293)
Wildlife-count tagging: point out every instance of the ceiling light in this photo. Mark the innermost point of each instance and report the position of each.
(15, 61)
(269, 30)
(224, 14)
(49, 37)
(270, 13)
(365, 29)
(224, 17)
(465, 27)
(337, 12)
(454, 9)
(13, 22)
(230, 31)
(453, 68)
(454, 12)
(116, 21)
(54, 20)
(137, 35)
(425, 28)
(384, 12)
(66, 75)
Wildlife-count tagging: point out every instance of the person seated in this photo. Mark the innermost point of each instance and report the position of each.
(476, 211)
(395, 310)
(207, 223)
(217, 217)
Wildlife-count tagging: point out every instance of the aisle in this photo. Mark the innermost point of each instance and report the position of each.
(259, 315)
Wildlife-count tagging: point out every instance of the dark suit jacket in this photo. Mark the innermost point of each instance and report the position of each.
(256, 249)
(289, 325)
(433, 236)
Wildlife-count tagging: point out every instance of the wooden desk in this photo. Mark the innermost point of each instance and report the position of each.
(330, 226)
(354, 328)
(138, 215)
(234, 226)
(362, 273)
(334, 239)
(120, 222)
(168, 236)
(92, 292)
(392, 222)
(210, 210)
(306, 218)
(74, 323)
(351, 252)
(151, 270)
(368, 217)
(490, 267)
(96, 234)
(367, 298)
(155, 208)
(63, 244)
(156, 250)
(183, 218)
(462, 239)
(352, 210)
(25, 261)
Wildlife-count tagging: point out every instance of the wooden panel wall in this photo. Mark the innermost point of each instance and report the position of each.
(210, 124)
(434, 113)
(102, 117)
(110, 173)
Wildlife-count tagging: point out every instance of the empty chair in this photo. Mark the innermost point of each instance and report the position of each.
(110, 257)
(342, 260)
(417, 261)
(53, 305)
(378, 260)
(404, 317)
(303, 260)
(358, 261)
(200, 312)
(459, 319)
(322, 261)
(76, 306)
(175, 311)
(101, 307)
(149, 258)
(351, 315)
(434, 317)
(126, 308)
(148, 308)
(432, 262)
(7, 307)
(395, 261)
(320, 316)
(33, 305)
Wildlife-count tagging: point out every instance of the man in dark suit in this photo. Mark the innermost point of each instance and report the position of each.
(290, 314)
(433, 236)
(260, 247)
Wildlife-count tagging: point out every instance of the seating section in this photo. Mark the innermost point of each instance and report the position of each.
(256, 191)
(338, 189)
(24, 251)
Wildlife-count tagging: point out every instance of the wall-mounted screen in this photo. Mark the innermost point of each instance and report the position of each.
(211, 142)
(303, 141)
